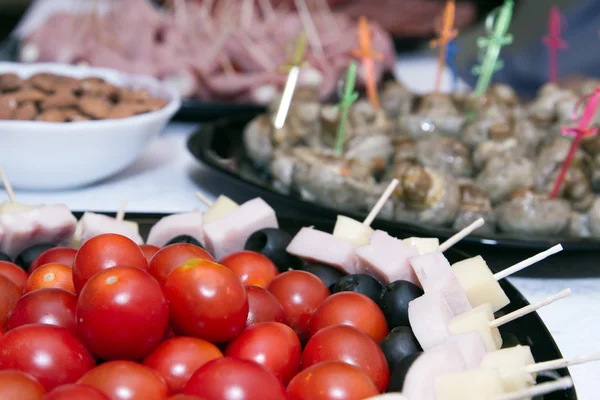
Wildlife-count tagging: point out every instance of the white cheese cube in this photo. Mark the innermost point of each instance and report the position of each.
(220, 208)
(476, 384)
(354, 232)
(479, 283)
(424, 245)
(511, 364)
(478, 319)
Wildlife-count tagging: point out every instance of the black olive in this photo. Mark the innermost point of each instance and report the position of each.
(29, 255)
(185, 239)
(273, 242)
(399, 371)
(399, 343)
(327, 274)
(359, 283)
(394, 302)
(5, 257)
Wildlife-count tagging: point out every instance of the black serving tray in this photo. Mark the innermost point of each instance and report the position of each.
(528, 330)
(219, 146)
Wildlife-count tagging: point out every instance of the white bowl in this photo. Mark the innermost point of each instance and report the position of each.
(51, 155)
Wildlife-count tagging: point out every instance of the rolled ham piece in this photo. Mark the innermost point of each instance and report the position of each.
(230, 233)
(435, 274)
(387, 259)
(472, 348)
(322, 247)
(51, 224)
(420, 378)
(171, 226)
(93, 224)
(429, 317)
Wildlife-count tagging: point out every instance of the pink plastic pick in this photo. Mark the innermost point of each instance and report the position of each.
(581, 131)
(554, 42)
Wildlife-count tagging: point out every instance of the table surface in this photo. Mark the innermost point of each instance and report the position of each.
(166, 177)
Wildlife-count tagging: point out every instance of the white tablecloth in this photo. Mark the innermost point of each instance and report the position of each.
(166, 177)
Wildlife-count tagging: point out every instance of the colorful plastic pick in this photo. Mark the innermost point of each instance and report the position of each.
(582, 130)
(348, 97)
(451, 53)
(554, 42)
(293, 68)
(368, 57)
(446, 33)
(496, 25)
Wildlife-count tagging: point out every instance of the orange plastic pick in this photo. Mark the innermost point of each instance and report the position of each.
(368, 57)
(446, 33)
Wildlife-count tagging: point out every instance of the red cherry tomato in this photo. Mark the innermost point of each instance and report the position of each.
(206, 300)
(122, 314)
(273, 345)
(9, 295)
(350, 345)
(16, 385)
(331, 380)
(75, 391)
(251, 267)
(350, 308)
(149, 251)
(170, 257)
(186, 397)
(58, 255)
(126, 380)
(233, 379)
(51, 276)
(52, 355)
(178, 358)
(106, 251)
(263, 306)
(14, 273)
(44, 306)
(300, 293)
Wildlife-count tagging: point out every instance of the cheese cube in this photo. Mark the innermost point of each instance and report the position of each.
(424, 245)
(220, 208)
(354, 232)
(478, 319)
(479, 283)
(510, 364)
(475, 384)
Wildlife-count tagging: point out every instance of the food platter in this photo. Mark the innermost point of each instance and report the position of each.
(528, 330)
(219, 146)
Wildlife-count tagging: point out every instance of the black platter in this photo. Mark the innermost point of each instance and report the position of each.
(528, 330)
(219, 146)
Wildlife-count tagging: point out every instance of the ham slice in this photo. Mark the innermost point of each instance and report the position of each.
(387, 259)
(419, 381)
(471, 346)
(436, 275)
(52, 224)
(230, 233)
(175, 225)
(322, 247)
(93, 224)
(429, 317)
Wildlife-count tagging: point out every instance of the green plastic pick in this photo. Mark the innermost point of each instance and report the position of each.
(496, 25)
(348, 97)
(297, 58)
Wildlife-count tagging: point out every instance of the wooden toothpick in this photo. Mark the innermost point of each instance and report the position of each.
(457, 237)
(204, 199)
(381, 202)
(528, 262)
(561, 363)
(8, 186)
(528, 309)
(538, 390)
(121, 212)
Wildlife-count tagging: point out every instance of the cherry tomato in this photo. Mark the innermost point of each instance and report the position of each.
(263, 306)
(122, 314)
(126, 380)
(149, 251)
(350, 308)
(172, 256)
(331, 380)
(106, 251)
(51, 276)
(300, 293)
(58, 255)
(273, 345)
(9, 295)
(186, 397)
(44, 306)
(251, 267)
(52, 355)
(350, 345)
(16, 385)
(75, 391)
(233, 379)
(178, 358)
(14, 273)
(206, 300)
